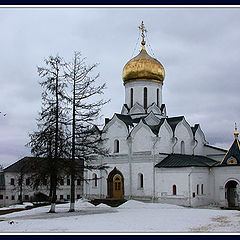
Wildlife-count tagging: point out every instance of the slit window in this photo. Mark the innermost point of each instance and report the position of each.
(158, 97)
(174, 188)
(145, 98)
(140, 180)
(131, 97)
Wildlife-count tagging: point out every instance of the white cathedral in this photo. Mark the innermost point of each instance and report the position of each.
(152, 157)
(160, 158)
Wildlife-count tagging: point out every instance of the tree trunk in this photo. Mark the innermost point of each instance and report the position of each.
(54, 197)
(72, 203)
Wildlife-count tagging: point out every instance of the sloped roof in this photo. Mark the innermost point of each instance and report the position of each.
(194, 129)
(126, 119)
(173, 121)
(181, 160)
(155, 128)
(27, 163)
(233, 153)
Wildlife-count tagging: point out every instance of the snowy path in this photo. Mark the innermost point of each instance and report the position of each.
(132, 216)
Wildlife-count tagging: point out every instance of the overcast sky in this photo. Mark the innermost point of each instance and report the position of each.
(198, 47)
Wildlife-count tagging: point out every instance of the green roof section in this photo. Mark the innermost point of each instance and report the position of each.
(232, 156)
(173, 121)
(182, 160)
(126, 119)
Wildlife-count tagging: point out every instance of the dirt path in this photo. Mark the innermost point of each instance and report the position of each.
(219, 223)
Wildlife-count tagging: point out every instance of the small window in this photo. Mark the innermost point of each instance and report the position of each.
(174, 190)
(68, 197)
(202, 189)
(193, 194)
(68, 181)
(140, 180)
(78, 181)
(12, 181)
(1, 197)
(26, 197)
(28, 181)
(6, 197)
(131, 97)
(13, 197)
(78, 196)
(94, 180)
(61, 197)
(62, 181)
(116, 146)
(145, 98)
(197, 189)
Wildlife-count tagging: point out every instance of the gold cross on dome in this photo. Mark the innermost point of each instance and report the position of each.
(143, 29)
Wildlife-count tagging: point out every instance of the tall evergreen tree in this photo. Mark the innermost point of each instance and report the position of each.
(50, 141)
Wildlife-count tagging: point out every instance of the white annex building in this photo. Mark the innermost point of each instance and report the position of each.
(156, 157)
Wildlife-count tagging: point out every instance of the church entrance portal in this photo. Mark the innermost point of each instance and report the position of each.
(231, 193)
(115, 184)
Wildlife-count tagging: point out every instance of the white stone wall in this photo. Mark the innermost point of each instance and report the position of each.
(183, 133)
(221, 175)
(116, 129)
(165, 142)
(186, 180)
(142, 138)
(199, 146)
(138, 87)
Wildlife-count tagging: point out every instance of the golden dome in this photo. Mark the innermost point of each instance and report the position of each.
(143, 67)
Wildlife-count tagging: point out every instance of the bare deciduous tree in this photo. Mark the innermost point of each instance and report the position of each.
(86, 107)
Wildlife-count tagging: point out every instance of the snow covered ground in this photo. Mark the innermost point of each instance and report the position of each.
(132, 216)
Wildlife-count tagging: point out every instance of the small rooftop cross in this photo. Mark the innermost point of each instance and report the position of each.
(143, 29)
(236, 133)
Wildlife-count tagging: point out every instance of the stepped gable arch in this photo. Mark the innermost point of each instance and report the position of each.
(140, 125)
(154, 108)
(152, 119)
(137, 109)
(167, 126)
(198, 131)
(184, 123)
(113, 121)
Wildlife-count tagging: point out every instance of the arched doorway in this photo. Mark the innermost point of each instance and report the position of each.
(115, 184)
(231, 193)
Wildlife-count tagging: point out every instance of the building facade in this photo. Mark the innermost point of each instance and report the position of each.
(152, 156)
(156, 157)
